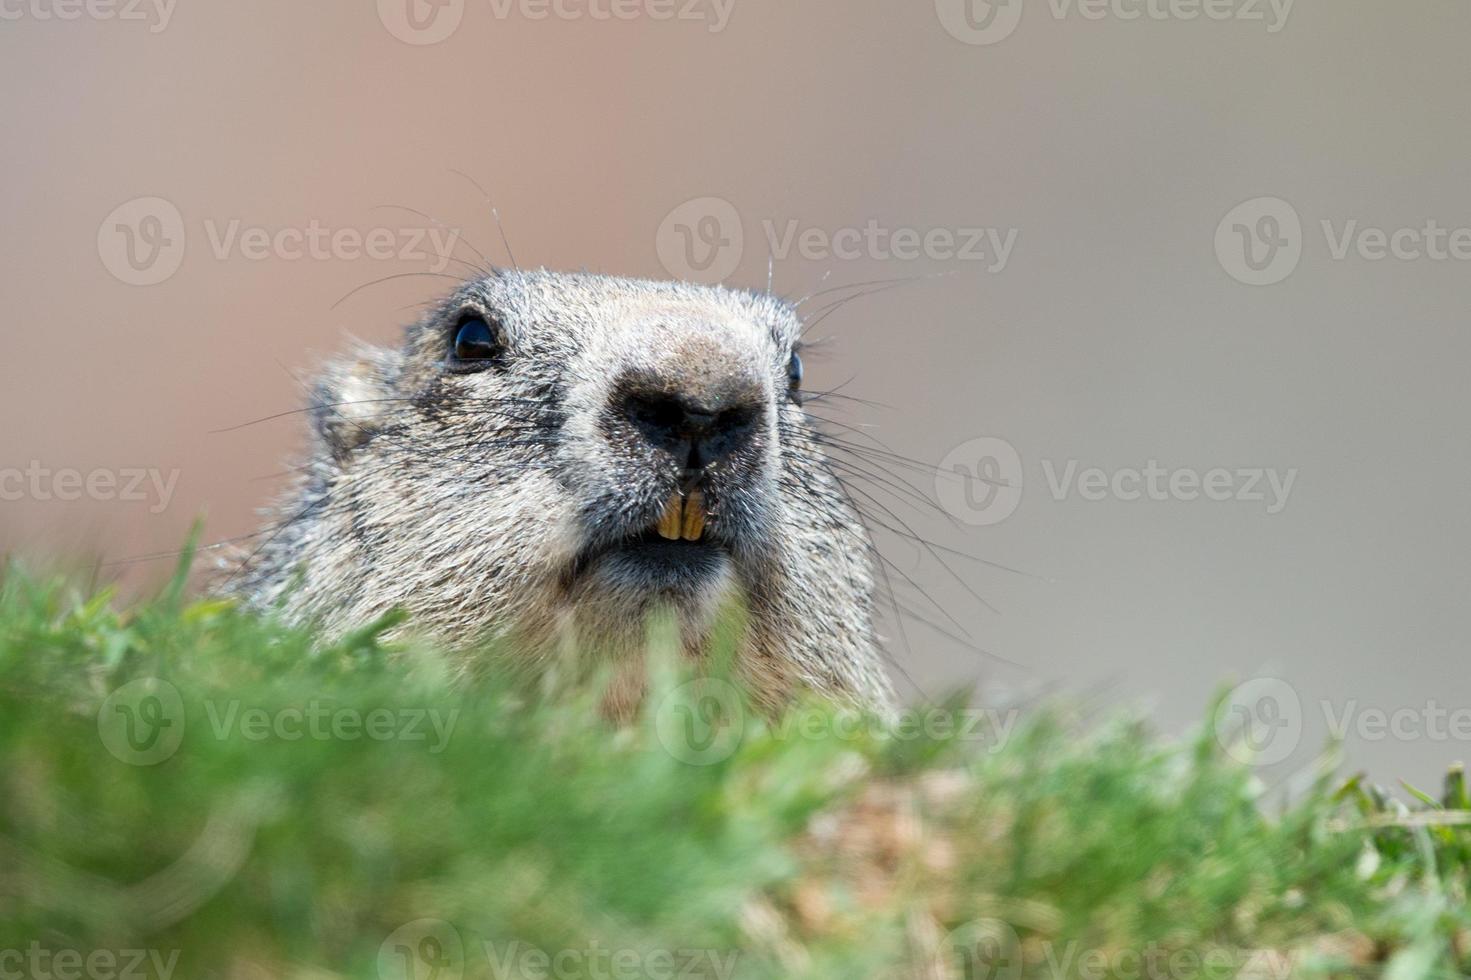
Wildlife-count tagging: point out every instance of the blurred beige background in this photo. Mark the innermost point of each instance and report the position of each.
(1106, 148)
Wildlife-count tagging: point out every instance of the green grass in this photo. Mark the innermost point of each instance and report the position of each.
(526, 837)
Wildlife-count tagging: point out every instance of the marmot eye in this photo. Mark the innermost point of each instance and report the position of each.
(476, 340)
(794, 372)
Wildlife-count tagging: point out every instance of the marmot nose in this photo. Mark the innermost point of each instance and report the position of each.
(697, 435)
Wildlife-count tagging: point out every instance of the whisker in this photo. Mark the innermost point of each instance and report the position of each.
(494, 213)
(485, 264)
(893, 281)
(397, 275)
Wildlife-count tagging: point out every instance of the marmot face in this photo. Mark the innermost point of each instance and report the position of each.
(552, 457)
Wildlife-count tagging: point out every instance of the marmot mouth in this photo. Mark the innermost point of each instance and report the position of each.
(684, 517)
(675, 551)
(651, 564)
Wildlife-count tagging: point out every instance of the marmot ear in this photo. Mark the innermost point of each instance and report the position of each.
(352, 399)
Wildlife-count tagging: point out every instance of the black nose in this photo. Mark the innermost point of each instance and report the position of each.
(697, 435)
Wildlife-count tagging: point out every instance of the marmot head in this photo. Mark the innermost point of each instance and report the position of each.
(553, 456)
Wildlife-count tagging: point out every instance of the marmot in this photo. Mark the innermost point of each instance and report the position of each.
(551, 457)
